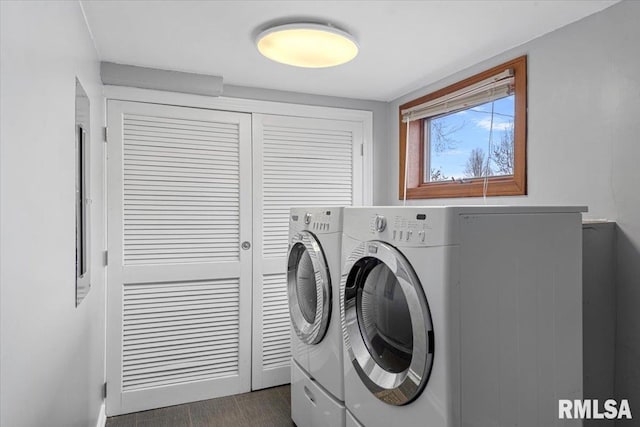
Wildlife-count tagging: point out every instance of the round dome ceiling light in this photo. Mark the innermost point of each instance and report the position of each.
(307, 45)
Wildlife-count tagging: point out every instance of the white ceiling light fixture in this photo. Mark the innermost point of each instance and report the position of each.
(307, 45)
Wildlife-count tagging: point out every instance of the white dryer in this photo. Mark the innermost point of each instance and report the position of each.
(313, 280)
(461, 316)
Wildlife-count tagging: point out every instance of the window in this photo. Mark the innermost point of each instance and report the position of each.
(468, 139)
(82, 193)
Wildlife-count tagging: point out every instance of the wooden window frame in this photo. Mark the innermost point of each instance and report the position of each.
(513, 185)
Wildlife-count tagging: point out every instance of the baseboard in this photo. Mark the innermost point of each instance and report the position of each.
(102, 416)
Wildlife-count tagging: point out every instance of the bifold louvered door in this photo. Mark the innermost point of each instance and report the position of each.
(297, 161)
(179, 290)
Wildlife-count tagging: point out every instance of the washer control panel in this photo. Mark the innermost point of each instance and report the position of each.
(320, 226)
(316, 220)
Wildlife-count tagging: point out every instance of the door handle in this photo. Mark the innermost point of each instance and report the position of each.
(245, 245)
(309, 395)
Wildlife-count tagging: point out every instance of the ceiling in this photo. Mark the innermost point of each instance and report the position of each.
(404, 45)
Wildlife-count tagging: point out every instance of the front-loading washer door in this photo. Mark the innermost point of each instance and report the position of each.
(389, 333)
(309, 288)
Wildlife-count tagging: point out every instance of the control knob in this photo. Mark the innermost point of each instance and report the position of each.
(381, 223)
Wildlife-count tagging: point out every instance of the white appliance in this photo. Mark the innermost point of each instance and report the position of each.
(313, 280)
(351, 421)
(461, 316)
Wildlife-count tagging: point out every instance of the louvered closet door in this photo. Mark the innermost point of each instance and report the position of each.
(297, 162)
(179, 283)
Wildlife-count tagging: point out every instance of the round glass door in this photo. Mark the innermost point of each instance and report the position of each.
(388, 323)
(309, 288)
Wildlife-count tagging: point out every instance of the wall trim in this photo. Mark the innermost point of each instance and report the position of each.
(102, 416)
(242, 105)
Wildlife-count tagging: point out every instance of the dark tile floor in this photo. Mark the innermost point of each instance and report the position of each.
(264, 408)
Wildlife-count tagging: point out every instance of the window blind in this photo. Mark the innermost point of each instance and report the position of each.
(487, 90)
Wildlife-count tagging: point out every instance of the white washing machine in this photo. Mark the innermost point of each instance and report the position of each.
(461, 316)
(313, 280)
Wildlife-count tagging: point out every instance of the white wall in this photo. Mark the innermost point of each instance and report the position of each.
(51, 353)
(583, 146)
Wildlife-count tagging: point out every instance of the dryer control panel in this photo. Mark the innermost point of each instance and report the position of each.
(399, 226)
(409, 229)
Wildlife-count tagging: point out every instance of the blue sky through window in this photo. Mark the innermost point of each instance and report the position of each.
(455, 137)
